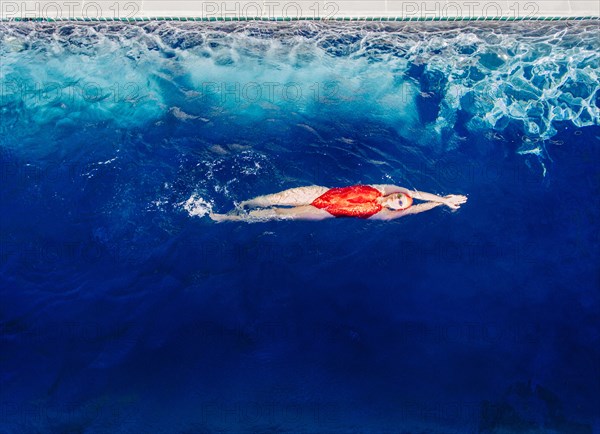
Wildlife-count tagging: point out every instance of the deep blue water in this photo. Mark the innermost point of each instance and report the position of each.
(124, 309)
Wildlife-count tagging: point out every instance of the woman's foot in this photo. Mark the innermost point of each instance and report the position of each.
(223, 217)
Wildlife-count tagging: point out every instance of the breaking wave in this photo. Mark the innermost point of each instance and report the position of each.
(428, 81)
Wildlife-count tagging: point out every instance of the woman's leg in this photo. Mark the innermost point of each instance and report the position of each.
(307, 212)
(293, 197)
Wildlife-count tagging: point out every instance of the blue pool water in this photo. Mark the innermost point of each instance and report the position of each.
(124, 309)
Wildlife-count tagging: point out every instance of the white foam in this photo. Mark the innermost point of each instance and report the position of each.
(197, 206)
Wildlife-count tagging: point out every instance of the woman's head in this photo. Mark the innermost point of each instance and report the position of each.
(397, 201)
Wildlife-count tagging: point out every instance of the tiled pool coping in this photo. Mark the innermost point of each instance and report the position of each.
(299, 10)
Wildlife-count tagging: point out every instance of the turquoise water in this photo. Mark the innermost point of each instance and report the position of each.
(125, 309)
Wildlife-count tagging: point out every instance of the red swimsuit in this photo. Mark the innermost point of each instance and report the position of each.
(356, 201)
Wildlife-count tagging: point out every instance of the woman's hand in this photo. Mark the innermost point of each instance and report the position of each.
(454, 201)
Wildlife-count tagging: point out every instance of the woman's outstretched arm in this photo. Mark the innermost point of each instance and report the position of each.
(387, 214)
(420, 195)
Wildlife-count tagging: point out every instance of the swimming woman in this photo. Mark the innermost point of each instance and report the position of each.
(373, 202)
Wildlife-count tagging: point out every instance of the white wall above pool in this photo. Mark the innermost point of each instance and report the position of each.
(301, 9)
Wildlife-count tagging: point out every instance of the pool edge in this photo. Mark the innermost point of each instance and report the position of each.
(289, 19)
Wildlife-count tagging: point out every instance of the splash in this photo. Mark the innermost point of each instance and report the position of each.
(196, 206)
